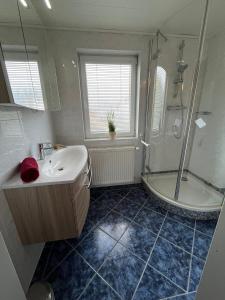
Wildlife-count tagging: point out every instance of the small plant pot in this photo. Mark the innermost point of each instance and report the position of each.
(112, 135)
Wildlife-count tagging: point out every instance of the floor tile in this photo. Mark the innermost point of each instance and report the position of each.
(138, 195)
(70, 278)
(149, 219)
(116, 193)
(206, 226)
(201, 245)
(69, 265)
(128, 208)
(99, 290)
(60, 249)
(171, 261)
(152, 204)
(95, 247)
(122, 270)
(114, 224)
(197, 266)
(139, 240)
(184, 220)
(88, 226)
(154, 286)
(97, 211)
(110, 199)
(178, 234)
(96, 193)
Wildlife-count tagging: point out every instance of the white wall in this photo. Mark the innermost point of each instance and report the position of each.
(68, 123)
(212, 285)
(207, 156)
(20, 129)
(10, 286)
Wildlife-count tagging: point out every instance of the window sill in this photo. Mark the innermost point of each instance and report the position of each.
(120, 139)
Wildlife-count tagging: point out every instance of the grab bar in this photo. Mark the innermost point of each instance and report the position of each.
(89, 173)
(90, 180)
(89, 165)
(145, 144)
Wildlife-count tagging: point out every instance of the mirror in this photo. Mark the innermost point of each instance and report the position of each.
(11, 38)
(38, 50)
(27, 73)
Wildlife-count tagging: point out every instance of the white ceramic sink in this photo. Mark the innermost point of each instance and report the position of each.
(62, 166)
(65, 163)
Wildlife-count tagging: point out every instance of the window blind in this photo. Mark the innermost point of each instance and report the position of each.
(25, 83)
(110, 87)
(159, 99)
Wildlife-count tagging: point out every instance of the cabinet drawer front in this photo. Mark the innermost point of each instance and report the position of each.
(24, 206)
(81, 205)
(56, 212)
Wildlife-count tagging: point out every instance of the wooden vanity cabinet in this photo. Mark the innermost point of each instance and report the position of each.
(50, 212)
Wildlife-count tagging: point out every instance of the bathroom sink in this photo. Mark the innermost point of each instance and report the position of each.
(65, 163)
(61, 167)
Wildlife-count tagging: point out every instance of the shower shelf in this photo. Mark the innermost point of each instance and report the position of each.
(203, 113)
(176, 107)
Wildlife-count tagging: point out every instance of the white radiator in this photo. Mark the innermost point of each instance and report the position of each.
(112, 166)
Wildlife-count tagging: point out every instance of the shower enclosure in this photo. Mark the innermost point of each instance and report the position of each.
(183, 144)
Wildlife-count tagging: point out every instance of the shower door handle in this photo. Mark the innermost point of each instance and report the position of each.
(145, 144)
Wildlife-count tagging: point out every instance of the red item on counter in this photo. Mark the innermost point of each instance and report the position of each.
(29, 169)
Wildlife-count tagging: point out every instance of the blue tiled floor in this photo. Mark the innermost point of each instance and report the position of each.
(130, 248)
(114, 224)
(149, 219)
(178, 234)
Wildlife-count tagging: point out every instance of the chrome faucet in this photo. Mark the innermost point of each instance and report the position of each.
(45, 149)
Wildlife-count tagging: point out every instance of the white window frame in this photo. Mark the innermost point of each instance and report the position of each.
(104, 59)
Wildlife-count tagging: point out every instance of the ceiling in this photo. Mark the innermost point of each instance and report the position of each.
(146, 16)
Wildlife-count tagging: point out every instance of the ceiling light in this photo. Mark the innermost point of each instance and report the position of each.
(24, 3)
(48, 4)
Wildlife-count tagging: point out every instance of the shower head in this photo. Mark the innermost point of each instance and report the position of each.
(158, 51)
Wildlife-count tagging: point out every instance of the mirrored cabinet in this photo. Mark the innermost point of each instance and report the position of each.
(27, 69)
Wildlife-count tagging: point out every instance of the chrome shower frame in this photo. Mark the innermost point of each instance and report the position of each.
(190, 113)
(192, 99)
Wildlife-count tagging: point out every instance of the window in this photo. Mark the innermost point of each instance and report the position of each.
(25, 83)
(108, 85)
(158, 99)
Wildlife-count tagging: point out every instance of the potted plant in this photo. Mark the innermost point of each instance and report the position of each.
(111, 125)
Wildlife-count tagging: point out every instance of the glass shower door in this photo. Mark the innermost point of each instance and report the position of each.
(173, 61)
(162, 157)
(205, 163)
